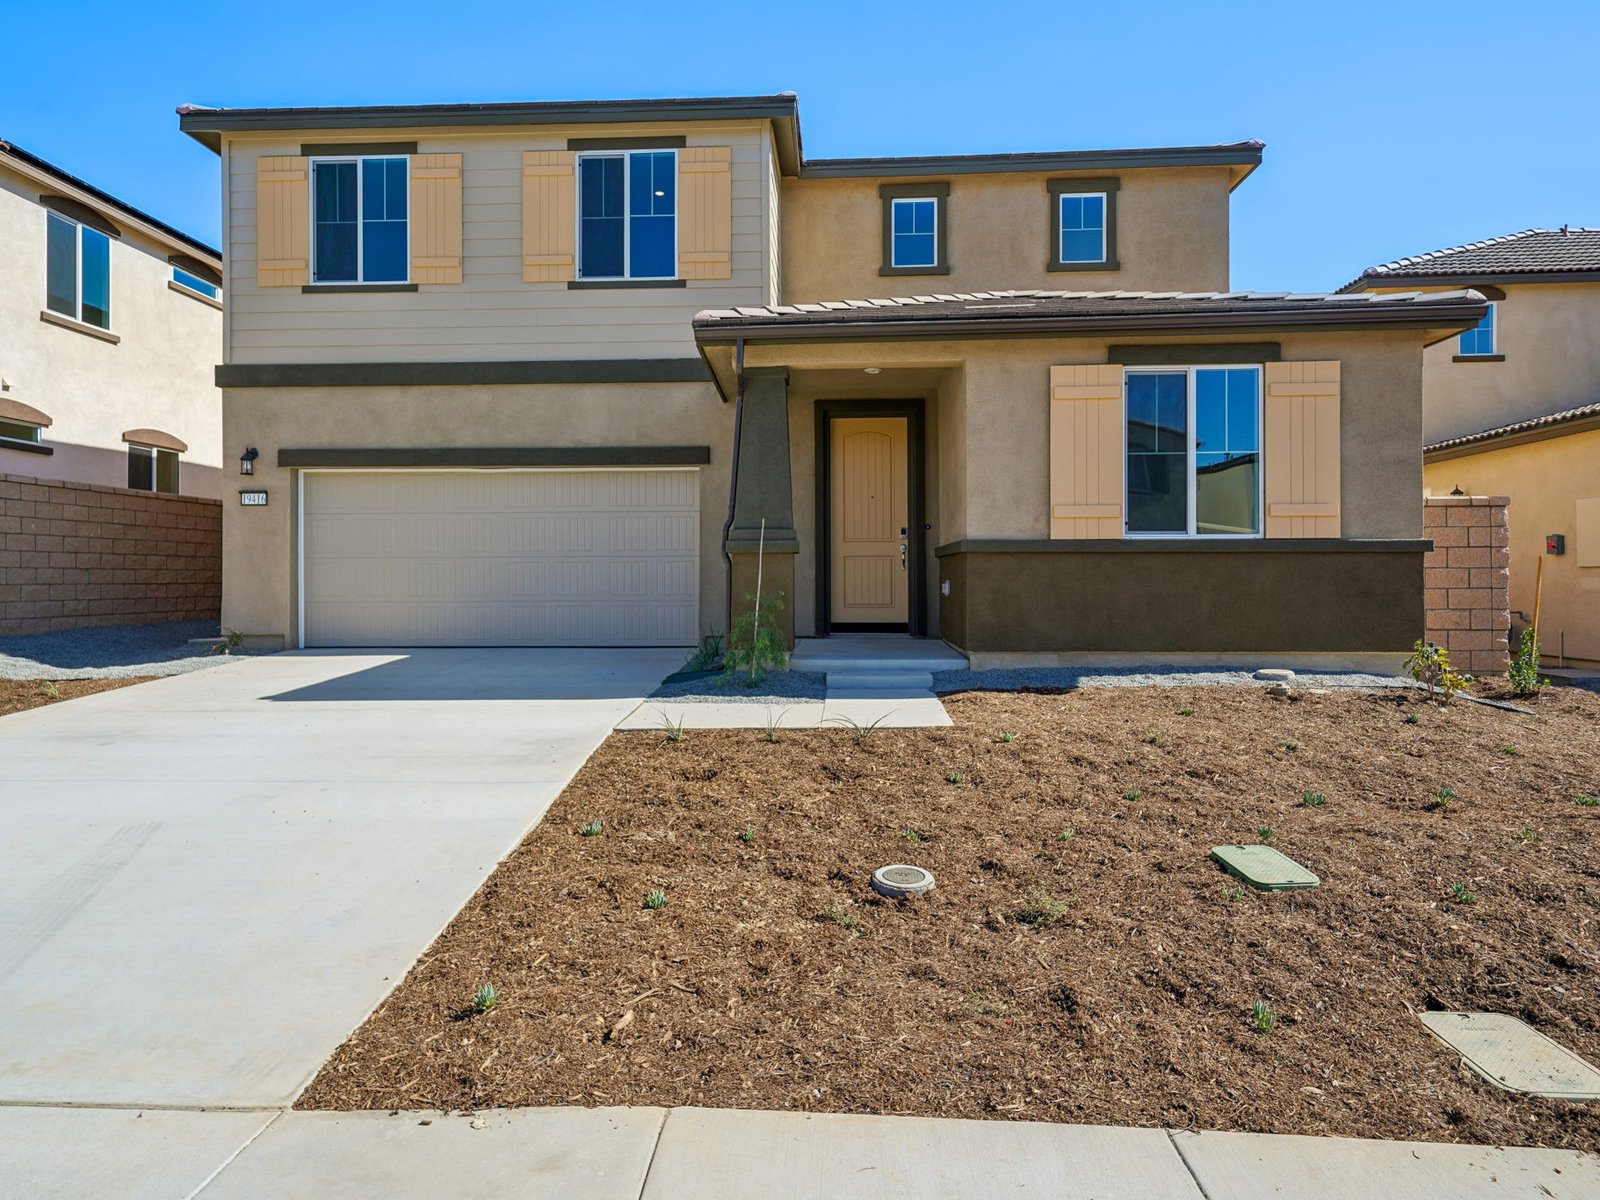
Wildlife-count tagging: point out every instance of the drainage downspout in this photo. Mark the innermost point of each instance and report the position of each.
(733, 481)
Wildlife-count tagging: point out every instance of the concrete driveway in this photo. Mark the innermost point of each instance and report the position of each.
(210, 880)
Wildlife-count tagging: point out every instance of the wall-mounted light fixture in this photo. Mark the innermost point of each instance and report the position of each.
(247, 461)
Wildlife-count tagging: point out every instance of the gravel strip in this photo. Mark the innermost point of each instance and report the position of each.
(1017, 679)
(112, 652)
(778, 688)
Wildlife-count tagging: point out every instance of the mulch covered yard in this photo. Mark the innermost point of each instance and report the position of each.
(774, 978)
(19, 694)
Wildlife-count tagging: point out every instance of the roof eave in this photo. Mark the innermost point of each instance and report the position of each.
(1483, 443)
(1469, 279)
(1244, 157)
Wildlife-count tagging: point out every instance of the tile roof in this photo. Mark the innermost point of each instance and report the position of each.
(1533, 251)
(1565, 416)
(961, 310)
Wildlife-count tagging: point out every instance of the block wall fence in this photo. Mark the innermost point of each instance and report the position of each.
(78, 554)
(1467, 580)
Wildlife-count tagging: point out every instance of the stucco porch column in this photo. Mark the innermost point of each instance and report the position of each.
(763, 491)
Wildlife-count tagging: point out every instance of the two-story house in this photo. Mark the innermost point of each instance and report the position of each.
(1512, 408)
(555, 373)
(110, 321)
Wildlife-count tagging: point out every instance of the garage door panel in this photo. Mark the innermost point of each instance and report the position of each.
(501, 558)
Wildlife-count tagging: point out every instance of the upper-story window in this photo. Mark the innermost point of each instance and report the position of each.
(914, 229)
(153, 469)
(1194, 451)
(194, 283)
(359, 220)
(78, 271)
(1479, 341)
(20, 431)
(628, 214)
(1083, 224)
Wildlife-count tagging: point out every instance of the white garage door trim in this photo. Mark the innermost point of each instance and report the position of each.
(301, 509)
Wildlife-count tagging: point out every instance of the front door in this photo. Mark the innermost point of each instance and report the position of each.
(868, 511)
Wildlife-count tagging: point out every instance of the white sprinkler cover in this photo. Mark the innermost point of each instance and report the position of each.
(1515, 1056)
(901, 879)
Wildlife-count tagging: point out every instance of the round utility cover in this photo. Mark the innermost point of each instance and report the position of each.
(902, 879)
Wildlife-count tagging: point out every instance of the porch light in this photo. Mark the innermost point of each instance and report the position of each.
(247, 461)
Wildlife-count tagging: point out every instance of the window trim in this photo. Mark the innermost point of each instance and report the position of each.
(76, 316)
(939, 193)
(1493, 353)
(625, 153)
(1191, 534)
(1106, 186)
(189, 288)
(357, 283)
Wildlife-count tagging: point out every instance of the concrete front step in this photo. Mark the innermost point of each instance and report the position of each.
(827, 664)
(919, 682)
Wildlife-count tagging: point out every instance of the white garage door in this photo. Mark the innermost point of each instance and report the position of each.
(500, 558)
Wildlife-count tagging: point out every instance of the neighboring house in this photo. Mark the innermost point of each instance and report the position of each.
(1512, 408)
(554, 373)
(110, 329)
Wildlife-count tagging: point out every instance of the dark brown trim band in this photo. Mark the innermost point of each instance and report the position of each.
(497, 456)
(358, 287)
(1189, 354)
(1057, 188)
(1472, 358)
(666, 142)
(83, 214)
(355, 149)
(939, 192)
(584, 285)
(400, 374)
(1185, 546)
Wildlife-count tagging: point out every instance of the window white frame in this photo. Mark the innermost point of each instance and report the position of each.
(154, 453)
(894, 244)
(1494, 335)
(1191, 453)
(361, 264)
(37, 431)
(77, 283)
(1105, 219)
(626, 155)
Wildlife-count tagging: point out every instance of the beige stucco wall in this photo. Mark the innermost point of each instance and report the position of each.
(1172, 235)
(259, 588)
(492, 315)
(1544, 479)
(158, 376)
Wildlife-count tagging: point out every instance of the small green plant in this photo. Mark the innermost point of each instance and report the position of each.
(991, 1006)
(1186, 711)
(755, 644)
(1523, 669)
(656, 900)
(1232, 893)
(1040, 908)
(1005, 739)
(673, 729)
(1132, 794)
(915, 838)
(861, 733)
(1066, 835)
(1262, 1017)
(1156, 737)
(1411, 718)
(1460, 894)
(1528, 835)
(1589, 801)
(955, 777)
(841, 916)
(1444, 797)
(706, 655)
(1510, 751)
(1430, 666)
(592, 828)
(1292, 744)
(485, 998)
(1313, 799)
(232, 639)
(771, 722)
(1265, 834)
(48, 690)
(747, 835)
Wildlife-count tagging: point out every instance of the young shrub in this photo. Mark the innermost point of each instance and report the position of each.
(1039, 908)
(1132, 794)
(656, 900)
(1186, 711)
(1589, 801)
(1528, 835)
(1523, 669)
(47, 690)
(1444, 797)
(1156, 737)
(771, 722)
(673, 729)
(592, 828)
(1460, 894)
(232, 639)
(485, 998)
(1232, 893)
(755, 646)
(1510, 751)
(1265, 834)
(841, 916)
(861, 733)
(955, 777)
(1430, 666)
(1066, 835)
(706, 655)
(1411, 718)
(915, 838)
(1262, 1017)
(1005, 739)
(1313, 799)
(747, 835)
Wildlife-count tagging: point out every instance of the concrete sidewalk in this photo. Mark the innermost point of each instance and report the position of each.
(715, 1154)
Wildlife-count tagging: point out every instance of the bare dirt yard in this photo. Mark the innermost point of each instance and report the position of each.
(16, 695)
(1081, 958)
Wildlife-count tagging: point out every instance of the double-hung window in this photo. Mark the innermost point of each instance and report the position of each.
(1193, 444)
(151, 469)
(77, 271)
(914, 237)
(1082, 227)
(1478, 342)
(628, 214)
(359, 220)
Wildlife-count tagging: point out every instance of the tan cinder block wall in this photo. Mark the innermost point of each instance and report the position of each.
(1172, 235)
(78, 554)
(1466, 580)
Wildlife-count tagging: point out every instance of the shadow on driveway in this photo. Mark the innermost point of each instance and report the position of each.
(490, 674)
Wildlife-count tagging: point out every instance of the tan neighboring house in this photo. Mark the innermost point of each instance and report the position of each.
(1512, 408)
(110, 328)
(554, 373)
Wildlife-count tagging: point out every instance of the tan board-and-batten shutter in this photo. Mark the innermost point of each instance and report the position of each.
(549, 216)
(1086, 496)
(1300, 449)
(705, 212)
(283, 221)
(436, 218)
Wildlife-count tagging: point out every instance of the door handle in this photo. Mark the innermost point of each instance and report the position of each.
(902, 556)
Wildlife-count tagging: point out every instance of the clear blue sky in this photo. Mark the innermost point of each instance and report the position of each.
(1391, 128)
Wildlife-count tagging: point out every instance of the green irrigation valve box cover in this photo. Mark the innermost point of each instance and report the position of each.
(1264, 868)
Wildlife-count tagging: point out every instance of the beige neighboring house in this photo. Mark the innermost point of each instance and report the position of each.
(556, 373)
(110, 329)
(1512, 408)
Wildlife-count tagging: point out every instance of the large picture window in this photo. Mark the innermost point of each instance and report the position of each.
(359, 220)
(1194, 451)
(628, 215)
(77, 272)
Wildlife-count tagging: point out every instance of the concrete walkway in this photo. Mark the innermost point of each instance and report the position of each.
(714, 1154)
(210, 880)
